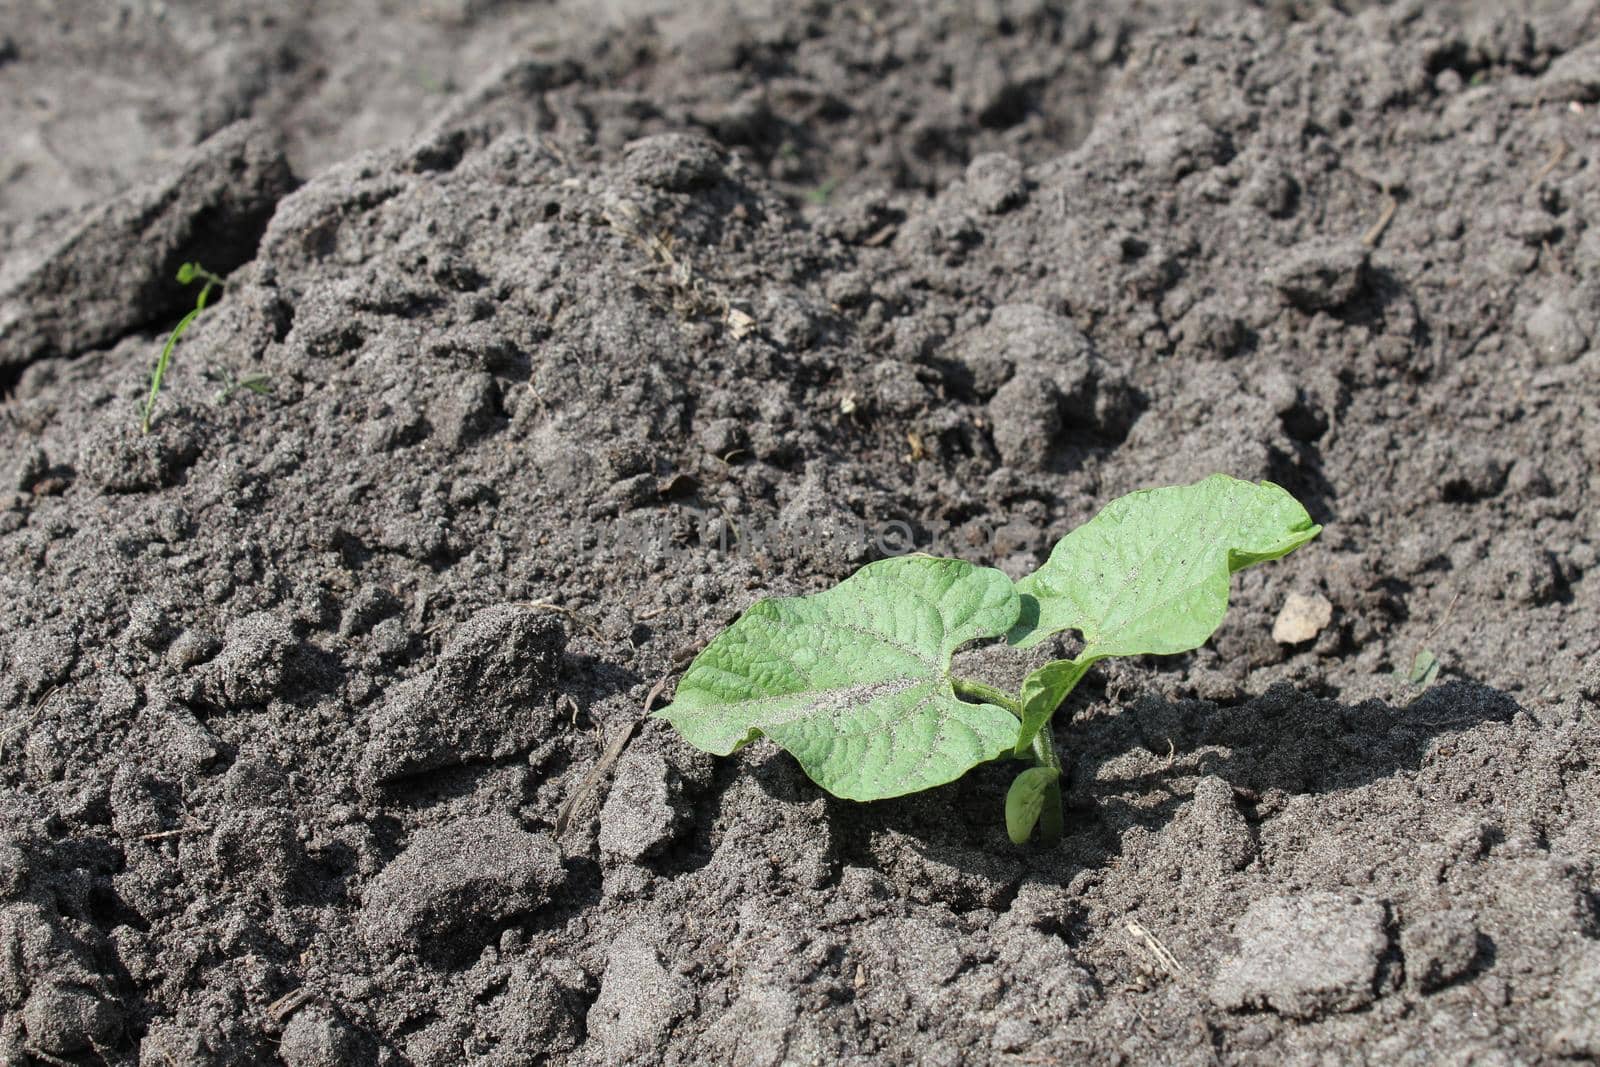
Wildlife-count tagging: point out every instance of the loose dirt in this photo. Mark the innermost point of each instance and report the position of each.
(582, 327)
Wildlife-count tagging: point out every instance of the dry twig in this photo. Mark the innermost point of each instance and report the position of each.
(1162, 954)
(1560, 153)
(613, 750)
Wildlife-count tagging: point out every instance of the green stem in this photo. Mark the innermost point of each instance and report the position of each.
(971, 690)
(1042, 751)
(172, 342)
(1051, 820)
(161, 367)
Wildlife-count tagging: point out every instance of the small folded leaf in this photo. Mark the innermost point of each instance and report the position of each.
(1025, 800)
(1149, 574)
(1424, 668)
(1043, 691)
(854, 681)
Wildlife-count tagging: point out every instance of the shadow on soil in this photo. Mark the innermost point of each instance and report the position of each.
(1282, 742)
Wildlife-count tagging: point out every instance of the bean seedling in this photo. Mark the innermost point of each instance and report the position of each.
(855, 681)
(187, 273)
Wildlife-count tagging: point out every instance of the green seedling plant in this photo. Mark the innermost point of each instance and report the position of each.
(1424, 669)
(855, 682)
(187, 274)
(259, 384)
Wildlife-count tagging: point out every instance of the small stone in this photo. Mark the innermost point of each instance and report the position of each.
(258, 845)
(315, 1037)
(1438, 948)
(1577, 1008)
(25, 470)
(119, 458)
(995, 183)
(1320, 275)
(1473, 474)
(464, 413)
(642, 813)
(1304, 956)
(640, 1000)
(449, 892)
(722, 437)
(254, 664)
(42, 659)
(678, 162)
(475, 703)
(192, 648)
(1554, 332)
(64, 1019)
(1301, 618)
(1026, 417)
(1012, 1035)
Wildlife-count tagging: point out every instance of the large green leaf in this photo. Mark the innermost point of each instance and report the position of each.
(1149, 574)
(855, 681)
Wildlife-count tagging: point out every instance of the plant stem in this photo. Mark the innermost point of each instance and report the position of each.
(172, 341)
(161, 367)
(971, 690)
(1051, 821)
(1043, 751)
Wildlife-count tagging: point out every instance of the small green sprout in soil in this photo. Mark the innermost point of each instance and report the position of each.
(855, 681)
(188, 273)
(822, 193)
(1424, 669)
(260, 384)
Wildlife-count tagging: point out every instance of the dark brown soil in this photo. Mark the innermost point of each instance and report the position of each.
(585, 326)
